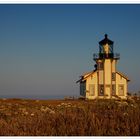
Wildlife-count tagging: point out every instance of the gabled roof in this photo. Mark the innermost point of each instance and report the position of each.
(85, 76)
(87, 73)
(124, 76)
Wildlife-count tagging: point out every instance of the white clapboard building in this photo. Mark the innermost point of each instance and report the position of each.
(104, 81)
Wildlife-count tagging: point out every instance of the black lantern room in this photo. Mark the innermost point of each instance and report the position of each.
(106, 48)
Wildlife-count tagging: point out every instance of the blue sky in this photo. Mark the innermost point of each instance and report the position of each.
(45, 48)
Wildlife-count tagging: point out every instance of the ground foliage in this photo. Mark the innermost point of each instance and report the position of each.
(19, 117)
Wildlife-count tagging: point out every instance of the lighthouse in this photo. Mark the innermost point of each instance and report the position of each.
(104, 81)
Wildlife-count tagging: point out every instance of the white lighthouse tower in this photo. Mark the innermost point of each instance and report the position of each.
(105, 81)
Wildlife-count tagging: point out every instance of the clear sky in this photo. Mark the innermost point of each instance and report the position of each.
(45, 48)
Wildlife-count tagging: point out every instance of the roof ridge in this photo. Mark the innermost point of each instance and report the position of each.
(123, 75)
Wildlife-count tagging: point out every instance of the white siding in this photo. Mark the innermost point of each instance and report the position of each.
(101, 77)
(114, 66)
(91, 80)
(107, 71)
(91, 89)
(121, 81)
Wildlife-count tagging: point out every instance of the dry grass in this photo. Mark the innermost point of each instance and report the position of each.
(70, 118)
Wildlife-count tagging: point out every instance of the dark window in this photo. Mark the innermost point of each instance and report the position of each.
(113, 89)
(113, 76)
(83, 88)
(111, 48)
(101, 49)
(101, 90)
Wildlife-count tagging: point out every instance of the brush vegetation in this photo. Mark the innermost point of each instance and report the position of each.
(20, 117)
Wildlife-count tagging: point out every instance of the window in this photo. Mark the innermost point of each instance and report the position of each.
(111, 48)
(100, 66)
(113, 76)
(101, 90)
(121, 90)
(82, 88)
(91, 89)
(113, 89)
(101, 49)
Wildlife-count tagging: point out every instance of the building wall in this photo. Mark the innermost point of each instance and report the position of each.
(101, 77)
(101, 71)
(114, 65)
(105, 77)
(121, 81)
(107, 71)
(92, 81)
